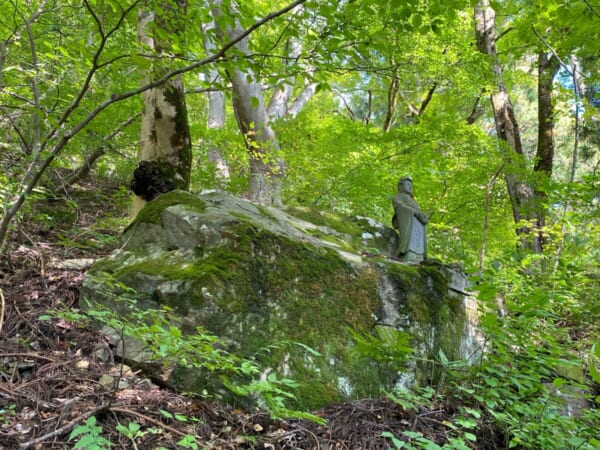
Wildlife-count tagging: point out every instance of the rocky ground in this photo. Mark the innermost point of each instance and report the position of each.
(52, 382)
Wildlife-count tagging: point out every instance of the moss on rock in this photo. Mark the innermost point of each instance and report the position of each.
(151, 213)
(289, 303)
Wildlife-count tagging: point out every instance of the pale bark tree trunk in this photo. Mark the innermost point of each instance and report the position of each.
(507, 129)
(281, 104)
(278, 105)
(251, 113)
(216, 121)
(165, 144)
(300, 102)
(216, 117)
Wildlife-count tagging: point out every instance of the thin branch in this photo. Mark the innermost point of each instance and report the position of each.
(486, 218)
(17, 130)
(88, 80)
(476, 111)
(392, 101)
(35, 92)
(591, 8)
(347, 106)
(562, 63)
(82, 171)
(95, 17)
(2, 308)
(367, 118)
(504, 33)
(427, 99)
(201, 90)
(404, 150)
(66, 137)
(64, 429)
(147, 418)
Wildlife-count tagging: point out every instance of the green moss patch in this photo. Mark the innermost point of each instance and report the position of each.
(337, 222)
(151, 213)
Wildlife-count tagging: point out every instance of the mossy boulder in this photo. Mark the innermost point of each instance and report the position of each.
(303, 293)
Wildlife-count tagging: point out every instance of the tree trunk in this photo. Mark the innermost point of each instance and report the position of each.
(216, 117)
(266, 170)
(165, 144)
(278, 105)
(548, 66)
(507, 129)
(392, 101)
(300, 102)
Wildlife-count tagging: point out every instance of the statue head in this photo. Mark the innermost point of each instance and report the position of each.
(405, 185)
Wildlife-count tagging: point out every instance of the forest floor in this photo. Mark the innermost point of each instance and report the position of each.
(51, 381)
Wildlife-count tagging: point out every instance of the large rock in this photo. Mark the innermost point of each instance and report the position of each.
(276, 284)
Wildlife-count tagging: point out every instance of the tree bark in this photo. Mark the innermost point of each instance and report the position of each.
(548, 66)
(266, 169)
(165, 144)
(302, 99)
(521, 192)
(392, 101)
(278, 105)
(216, 117)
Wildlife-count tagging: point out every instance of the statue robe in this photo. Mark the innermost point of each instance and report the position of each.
(405, 208)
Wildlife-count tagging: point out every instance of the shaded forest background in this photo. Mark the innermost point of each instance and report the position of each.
(491, 107)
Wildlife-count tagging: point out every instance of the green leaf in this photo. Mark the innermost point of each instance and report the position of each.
(166, 414)
(397, 442)
(443, 357)
(470, 437)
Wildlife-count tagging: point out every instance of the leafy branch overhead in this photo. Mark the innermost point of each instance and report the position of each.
(313, 108)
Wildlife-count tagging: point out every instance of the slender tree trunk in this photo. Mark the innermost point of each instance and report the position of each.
(216, 117)
(216, 121)
(278, 105)
(507, 129)
(165, 144)
(578, 90)
(281, 105)
(300, 102)
(392, 101)
(548, 66)
(266, 170)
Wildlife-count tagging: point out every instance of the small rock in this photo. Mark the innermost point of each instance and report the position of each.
(83, 364)
(107, 380)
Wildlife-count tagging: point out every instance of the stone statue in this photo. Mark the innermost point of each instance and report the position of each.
(410, 222)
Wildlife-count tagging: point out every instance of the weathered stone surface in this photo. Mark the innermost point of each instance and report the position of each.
(264, 278)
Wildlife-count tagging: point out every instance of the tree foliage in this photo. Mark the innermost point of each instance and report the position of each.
(388, 88)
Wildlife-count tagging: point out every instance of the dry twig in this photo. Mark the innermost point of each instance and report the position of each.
(2, 308)
(64, 429)
(149, 419)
